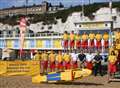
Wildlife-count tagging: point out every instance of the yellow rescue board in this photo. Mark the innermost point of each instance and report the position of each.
(67, 75)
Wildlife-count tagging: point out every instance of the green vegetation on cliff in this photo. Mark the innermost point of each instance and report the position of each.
(50, 18)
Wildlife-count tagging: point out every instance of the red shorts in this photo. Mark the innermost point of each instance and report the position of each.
(98, 44)
(91, 43)
(89, 65)
(112, 68)
(45, 64)
(106, 44)
(60, 65)
(52, 65)
(72, 43)
(67, 65)
(75, 64)
(78, 43)
(65, 43)
(84, 44)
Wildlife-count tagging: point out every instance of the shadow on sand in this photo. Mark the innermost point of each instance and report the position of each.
(78, 83)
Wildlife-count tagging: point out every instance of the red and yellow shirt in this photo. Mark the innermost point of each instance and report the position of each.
(98, 37)
(59, 58)
(77, 37)
(112, 59)
(52, 57)
(37, 56)
(106, 37)
(84, 37)
(67, 57)
(91, 36)
(44, 56)
(65, 36)
(72, 36)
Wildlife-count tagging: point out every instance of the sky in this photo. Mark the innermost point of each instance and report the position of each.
(67, 3)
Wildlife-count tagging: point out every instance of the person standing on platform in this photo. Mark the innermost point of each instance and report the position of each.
(44, 58)
(59, 59)
(78, 42)
(72, 41)
(65, 39)
(97, 64)
(52, 61)
(74, 58)
(112, 64)
(106, 40)
(82, 58)
(91, 41)
(67, 60)
(98, 41)
(84, 41)
(89, 60)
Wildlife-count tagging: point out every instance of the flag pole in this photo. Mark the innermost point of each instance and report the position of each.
(26, 7)
(82, 9)
(110, 6)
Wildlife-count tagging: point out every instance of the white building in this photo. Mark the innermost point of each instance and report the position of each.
(101, 15)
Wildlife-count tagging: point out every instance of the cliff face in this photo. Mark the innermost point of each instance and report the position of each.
(103, 14)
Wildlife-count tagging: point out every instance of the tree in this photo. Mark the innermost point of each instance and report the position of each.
(13, 6)
(71, 6)
(50, 5)
(61, 5)
(34, 4)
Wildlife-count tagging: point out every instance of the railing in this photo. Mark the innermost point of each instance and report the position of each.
(30, 35)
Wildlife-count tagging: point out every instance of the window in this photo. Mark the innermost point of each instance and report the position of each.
(106, 25)
(80, 25)
(114, 18)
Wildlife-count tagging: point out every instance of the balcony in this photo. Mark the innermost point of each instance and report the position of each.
(31, 35)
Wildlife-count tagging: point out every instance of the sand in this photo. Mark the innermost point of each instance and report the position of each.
(89, 82)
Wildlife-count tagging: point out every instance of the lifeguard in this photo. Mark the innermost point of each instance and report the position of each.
(106, 38)
(52, 61)
(67, 59)
(59, 59)
(37, 56)
(65, 39)
(112, 63)
(72, 40)
(78, 42)
(84, 41)
(91, 42)
(98, 40)
(44, 58)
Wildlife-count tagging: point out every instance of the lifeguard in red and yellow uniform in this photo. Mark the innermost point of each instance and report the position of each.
(106, 39)
(67, 60)
(44, 58)
(78, 42)
(65, 39)
(59, 59)
(112, 59)
(84, 43)
(52, 61)
(72, 40)
(98, 40)
(91, 37)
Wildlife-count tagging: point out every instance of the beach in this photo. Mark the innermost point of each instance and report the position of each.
(89, 82)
